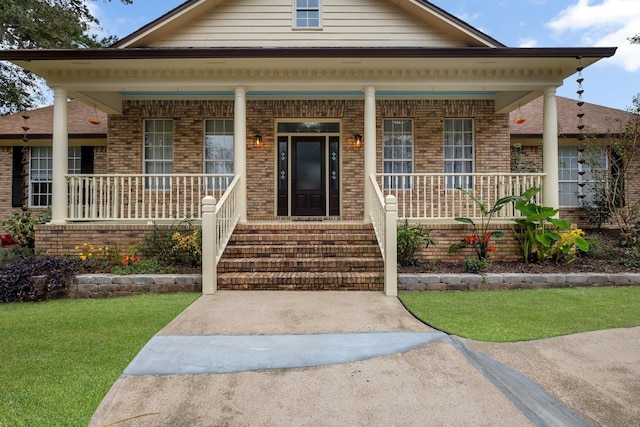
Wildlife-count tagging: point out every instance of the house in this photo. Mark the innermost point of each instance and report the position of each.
(26, 143)
(601, 126)
(284, 111)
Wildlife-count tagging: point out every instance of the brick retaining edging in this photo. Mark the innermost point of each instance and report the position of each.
(491, 281)
(108, 285)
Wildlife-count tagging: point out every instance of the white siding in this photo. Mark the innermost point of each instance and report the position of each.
(268, 23)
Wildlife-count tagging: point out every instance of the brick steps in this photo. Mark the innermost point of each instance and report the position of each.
(301, 264)
(307, 239)
(302, 256)
(264, 250)
(301, 281)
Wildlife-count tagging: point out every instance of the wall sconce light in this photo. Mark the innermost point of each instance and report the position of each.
(357, 140)
(258, 140)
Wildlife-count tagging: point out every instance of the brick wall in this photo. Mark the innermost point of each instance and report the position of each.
(124, 154)
(63, 239)
(445, 235)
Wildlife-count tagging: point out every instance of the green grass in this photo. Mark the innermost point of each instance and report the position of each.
(520, 315)
(59, 358)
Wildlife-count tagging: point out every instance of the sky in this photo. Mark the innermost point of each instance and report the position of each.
(610, 82)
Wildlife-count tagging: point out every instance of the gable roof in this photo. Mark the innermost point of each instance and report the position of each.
(425, 11)
(40, 123)
(479, 69)
(598, 120)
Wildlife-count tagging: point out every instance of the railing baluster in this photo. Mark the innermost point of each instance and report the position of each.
(428, 196)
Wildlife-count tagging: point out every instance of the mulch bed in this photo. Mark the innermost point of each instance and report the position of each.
(605, 256)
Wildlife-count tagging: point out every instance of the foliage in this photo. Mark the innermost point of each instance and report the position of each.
(598, 211)
(59, 359)
(176, 245)
(411, 239)
(480, 239)
(519, 161)
(539, 232)
(39, 24)
(22, 227)
(475, 265)
(33, 278)
(632, 260)
(611, 183)
(188, 246)
(526, 314)
(143, 266)
(567, 247)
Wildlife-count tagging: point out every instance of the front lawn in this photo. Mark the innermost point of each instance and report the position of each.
(520, 315)
(59, 358)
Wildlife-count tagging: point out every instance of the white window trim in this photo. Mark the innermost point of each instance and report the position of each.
(294, 23)
(574, 182)
(148, 186)
(73, 152)
(408, 184)
(217, 185)
(451, 186)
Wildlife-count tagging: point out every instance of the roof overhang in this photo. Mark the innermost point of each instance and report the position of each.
(105, 77)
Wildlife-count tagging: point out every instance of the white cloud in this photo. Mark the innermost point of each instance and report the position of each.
(528, 43)
(607, 23)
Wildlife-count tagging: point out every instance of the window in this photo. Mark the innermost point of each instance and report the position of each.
(397, 136)
(41, 173)
(569, 174)
(458, 152)
(307, 14)
(158, 152)
(218, 150)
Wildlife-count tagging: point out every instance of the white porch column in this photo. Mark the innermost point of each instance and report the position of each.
(369, 147)
(60, 157)
(240, 149)
(209, 246)
(550, 191)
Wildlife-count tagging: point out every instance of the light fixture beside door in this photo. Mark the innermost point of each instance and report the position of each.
(357, 140)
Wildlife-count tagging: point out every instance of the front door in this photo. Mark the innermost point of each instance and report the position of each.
(308, 178)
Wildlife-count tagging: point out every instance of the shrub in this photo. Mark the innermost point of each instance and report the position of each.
(412, 238)
(480, 239)
(177, 245)
(144, 266)
(631, 259)
(475, 265)
(35, 278)
(22, 227)
(541, 235)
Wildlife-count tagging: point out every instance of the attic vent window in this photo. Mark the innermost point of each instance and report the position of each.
(307, 14)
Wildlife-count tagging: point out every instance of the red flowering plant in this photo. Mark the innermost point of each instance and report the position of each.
(480, 239)
(6, 240)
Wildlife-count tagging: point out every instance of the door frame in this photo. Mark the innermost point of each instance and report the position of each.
(332, 159)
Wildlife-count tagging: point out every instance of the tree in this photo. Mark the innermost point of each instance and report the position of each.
(41, 24)
(612, 184)
(635, 39)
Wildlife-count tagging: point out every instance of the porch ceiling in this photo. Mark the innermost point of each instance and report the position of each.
(105, 77)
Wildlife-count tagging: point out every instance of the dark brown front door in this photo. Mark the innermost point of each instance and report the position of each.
(308, 184)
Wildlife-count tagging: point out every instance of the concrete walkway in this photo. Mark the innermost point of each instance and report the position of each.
(359, 358)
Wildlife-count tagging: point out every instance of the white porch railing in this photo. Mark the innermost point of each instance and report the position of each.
(218, 222)
(384, 218)
(141, 196)
(434, 197)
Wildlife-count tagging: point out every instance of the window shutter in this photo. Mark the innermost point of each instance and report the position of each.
(86, 161)
(17, 180)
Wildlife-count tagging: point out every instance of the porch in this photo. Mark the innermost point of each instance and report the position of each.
(317, 253)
